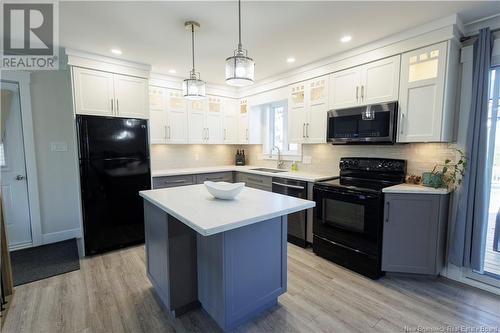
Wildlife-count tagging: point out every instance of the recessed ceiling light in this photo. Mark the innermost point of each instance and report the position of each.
(345, 39)
(172, 71)
(116, 51)
(290, 60)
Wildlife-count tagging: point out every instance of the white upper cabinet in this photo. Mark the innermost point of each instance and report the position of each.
(426, 98)
(344, 88)
(243, 133)
(131, 95)
(168, 116)
(375, 82)
(157, 115)
(107, 94)
(213, 120)
(230, 121)
(93, 92)
(380, 81)
(177, 117)
(307, 114)
(196, 125)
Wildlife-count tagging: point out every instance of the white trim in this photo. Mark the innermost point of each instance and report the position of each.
(444, 29)
(493, 22)
(76, 165)
(23, 79)
(59, 236)
(107, 64)
(175, 82)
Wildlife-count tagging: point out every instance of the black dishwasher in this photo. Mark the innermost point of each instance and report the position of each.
(297, 222)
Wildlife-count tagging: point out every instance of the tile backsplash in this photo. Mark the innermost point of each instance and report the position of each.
(325, 157)
(191, 156)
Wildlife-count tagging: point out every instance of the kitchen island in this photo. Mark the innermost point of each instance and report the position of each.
(230, 257)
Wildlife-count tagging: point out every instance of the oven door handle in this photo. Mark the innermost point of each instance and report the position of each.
(290, 186)
(350, 194)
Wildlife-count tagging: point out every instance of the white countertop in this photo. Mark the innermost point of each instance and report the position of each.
(415, 189)
(196, 208)
(298, 175)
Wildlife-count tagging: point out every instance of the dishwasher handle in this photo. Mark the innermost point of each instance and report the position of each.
(290, 186)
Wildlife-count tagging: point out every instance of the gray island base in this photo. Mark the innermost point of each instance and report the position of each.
(234, 275)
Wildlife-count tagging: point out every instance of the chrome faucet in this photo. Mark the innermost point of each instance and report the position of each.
(280, 164)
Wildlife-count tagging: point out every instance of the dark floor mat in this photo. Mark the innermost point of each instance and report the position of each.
(44, 261)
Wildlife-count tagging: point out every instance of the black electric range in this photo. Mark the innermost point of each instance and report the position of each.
(349, 212)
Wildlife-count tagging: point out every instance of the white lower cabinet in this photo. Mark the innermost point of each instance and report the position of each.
(427, 93)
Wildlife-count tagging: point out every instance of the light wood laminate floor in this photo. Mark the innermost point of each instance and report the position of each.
(111, 293)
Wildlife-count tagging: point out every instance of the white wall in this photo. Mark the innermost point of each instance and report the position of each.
(53, 121)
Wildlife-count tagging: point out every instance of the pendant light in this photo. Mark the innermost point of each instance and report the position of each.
(193, 87)
(240, 67)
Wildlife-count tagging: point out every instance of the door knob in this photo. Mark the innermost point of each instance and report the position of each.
(19, 177)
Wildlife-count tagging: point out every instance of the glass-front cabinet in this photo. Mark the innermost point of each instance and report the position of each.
(426, 95)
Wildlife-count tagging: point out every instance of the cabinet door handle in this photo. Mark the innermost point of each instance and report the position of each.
(112, 108)
(247, 133)
(362, 92)
(387, 215)
(402, 122)
(175, 181)
(165, 136)
(357, 93)
(304, 130)
(208, 133)
(117, 106)
(307, 130)
(169, 132)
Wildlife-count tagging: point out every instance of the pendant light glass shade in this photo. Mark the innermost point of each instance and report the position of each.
(193, 87)
(240, 68)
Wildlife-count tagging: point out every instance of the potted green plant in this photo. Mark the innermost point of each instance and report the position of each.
(448, 174)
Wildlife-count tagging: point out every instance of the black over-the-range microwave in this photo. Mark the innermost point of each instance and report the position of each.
(370, 124)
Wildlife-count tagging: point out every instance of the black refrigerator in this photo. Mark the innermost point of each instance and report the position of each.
(114, 167)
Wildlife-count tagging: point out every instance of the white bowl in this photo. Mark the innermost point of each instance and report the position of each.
(224, 190)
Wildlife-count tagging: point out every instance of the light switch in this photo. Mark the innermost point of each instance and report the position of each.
(306, 159)
(58, 146)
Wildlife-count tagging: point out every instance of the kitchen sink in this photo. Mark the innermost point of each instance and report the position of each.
(268, 170)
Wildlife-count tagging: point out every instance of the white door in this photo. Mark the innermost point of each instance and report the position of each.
(196, 127)
(344, 88)
(230, 121)
(131, 96)
(316, 124)
(177, 127)
(297, 122)
(213, 127)
(380, 82)
(243, 135)
(157, 115)
(422, 94)
(94, 92)
(12, 161)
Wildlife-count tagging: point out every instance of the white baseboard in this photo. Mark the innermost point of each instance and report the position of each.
(59, 236)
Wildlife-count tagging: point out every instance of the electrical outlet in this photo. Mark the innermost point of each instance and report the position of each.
(58, 146)
(306, 159)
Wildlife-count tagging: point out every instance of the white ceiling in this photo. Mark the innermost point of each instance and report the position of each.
(153, 32)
